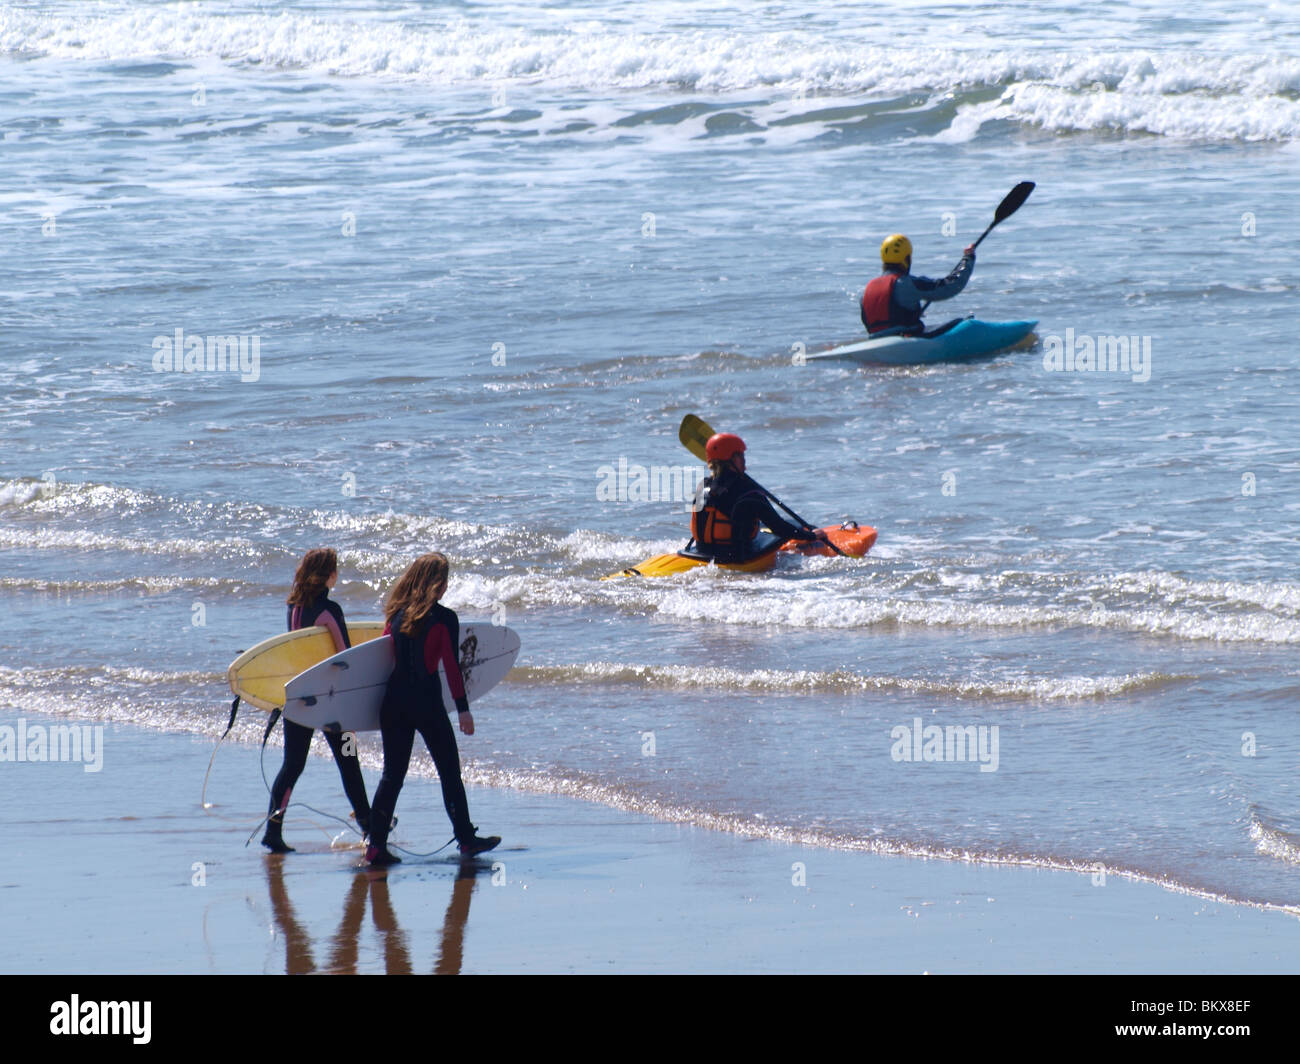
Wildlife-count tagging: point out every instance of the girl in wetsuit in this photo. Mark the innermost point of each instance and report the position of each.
(309, 604)
(425, 634)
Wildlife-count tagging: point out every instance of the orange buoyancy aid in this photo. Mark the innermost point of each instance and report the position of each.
(711, 524)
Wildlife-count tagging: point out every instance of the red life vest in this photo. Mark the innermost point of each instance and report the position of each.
(878, 308)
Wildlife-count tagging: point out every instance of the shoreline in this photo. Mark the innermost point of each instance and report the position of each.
(152, 883)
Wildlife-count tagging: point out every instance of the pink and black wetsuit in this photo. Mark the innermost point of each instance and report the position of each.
(325, 612)
(414, 703)
(297, 738)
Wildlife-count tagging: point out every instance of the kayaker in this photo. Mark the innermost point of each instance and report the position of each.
(425, 633)
(309, 604)
(892, 303)
(729, 507)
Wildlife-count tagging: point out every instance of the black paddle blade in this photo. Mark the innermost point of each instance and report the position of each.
(1013, 202)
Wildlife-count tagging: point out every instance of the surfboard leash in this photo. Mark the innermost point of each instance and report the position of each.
(234, 709)
(261, 761)
(203, 797)
(320, 812)
(266, 735)
(432, 853)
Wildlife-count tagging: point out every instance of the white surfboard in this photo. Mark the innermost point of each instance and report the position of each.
(344, 693)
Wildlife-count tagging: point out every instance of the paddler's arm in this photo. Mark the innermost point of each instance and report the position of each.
(912, 291)
(756, 506)
(440, 646)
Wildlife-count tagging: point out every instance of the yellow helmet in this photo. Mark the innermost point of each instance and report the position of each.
(896, 249)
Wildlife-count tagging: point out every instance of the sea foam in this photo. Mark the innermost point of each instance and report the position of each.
(1232, 95)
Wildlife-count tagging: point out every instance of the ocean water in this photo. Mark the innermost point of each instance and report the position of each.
(484, 253)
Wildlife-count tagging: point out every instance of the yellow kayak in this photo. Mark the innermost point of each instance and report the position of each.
(684, 560)
(851, 539)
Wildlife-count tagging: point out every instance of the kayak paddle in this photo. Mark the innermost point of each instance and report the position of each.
(694, 433)
(1011, 202)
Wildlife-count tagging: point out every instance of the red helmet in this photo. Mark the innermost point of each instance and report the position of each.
(723, 446)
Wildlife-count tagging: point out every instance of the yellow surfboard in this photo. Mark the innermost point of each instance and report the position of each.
(258, 676)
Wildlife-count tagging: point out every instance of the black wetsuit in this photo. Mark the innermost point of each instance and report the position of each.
(297, 738)
(414, 703)
(745, 503)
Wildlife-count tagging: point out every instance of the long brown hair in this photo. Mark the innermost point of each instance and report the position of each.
(313, 571)
(418, 591)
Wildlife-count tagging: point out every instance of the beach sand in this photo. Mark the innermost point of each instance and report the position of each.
(123, 871)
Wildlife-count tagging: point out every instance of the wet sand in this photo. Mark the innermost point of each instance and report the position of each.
(122, 870)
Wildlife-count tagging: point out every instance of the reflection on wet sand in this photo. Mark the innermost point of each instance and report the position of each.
(298, 959)
(453, 924)
(345, 945)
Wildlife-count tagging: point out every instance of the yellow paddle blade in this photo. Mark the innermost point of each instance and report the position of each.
(694, 434)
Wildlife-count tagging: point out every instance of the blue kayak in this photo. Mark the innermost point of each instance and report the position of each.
(969, 338)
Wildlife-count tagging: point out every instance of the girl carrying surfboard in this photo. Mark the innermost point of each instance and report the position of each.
(425, 634)
(309, 604)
